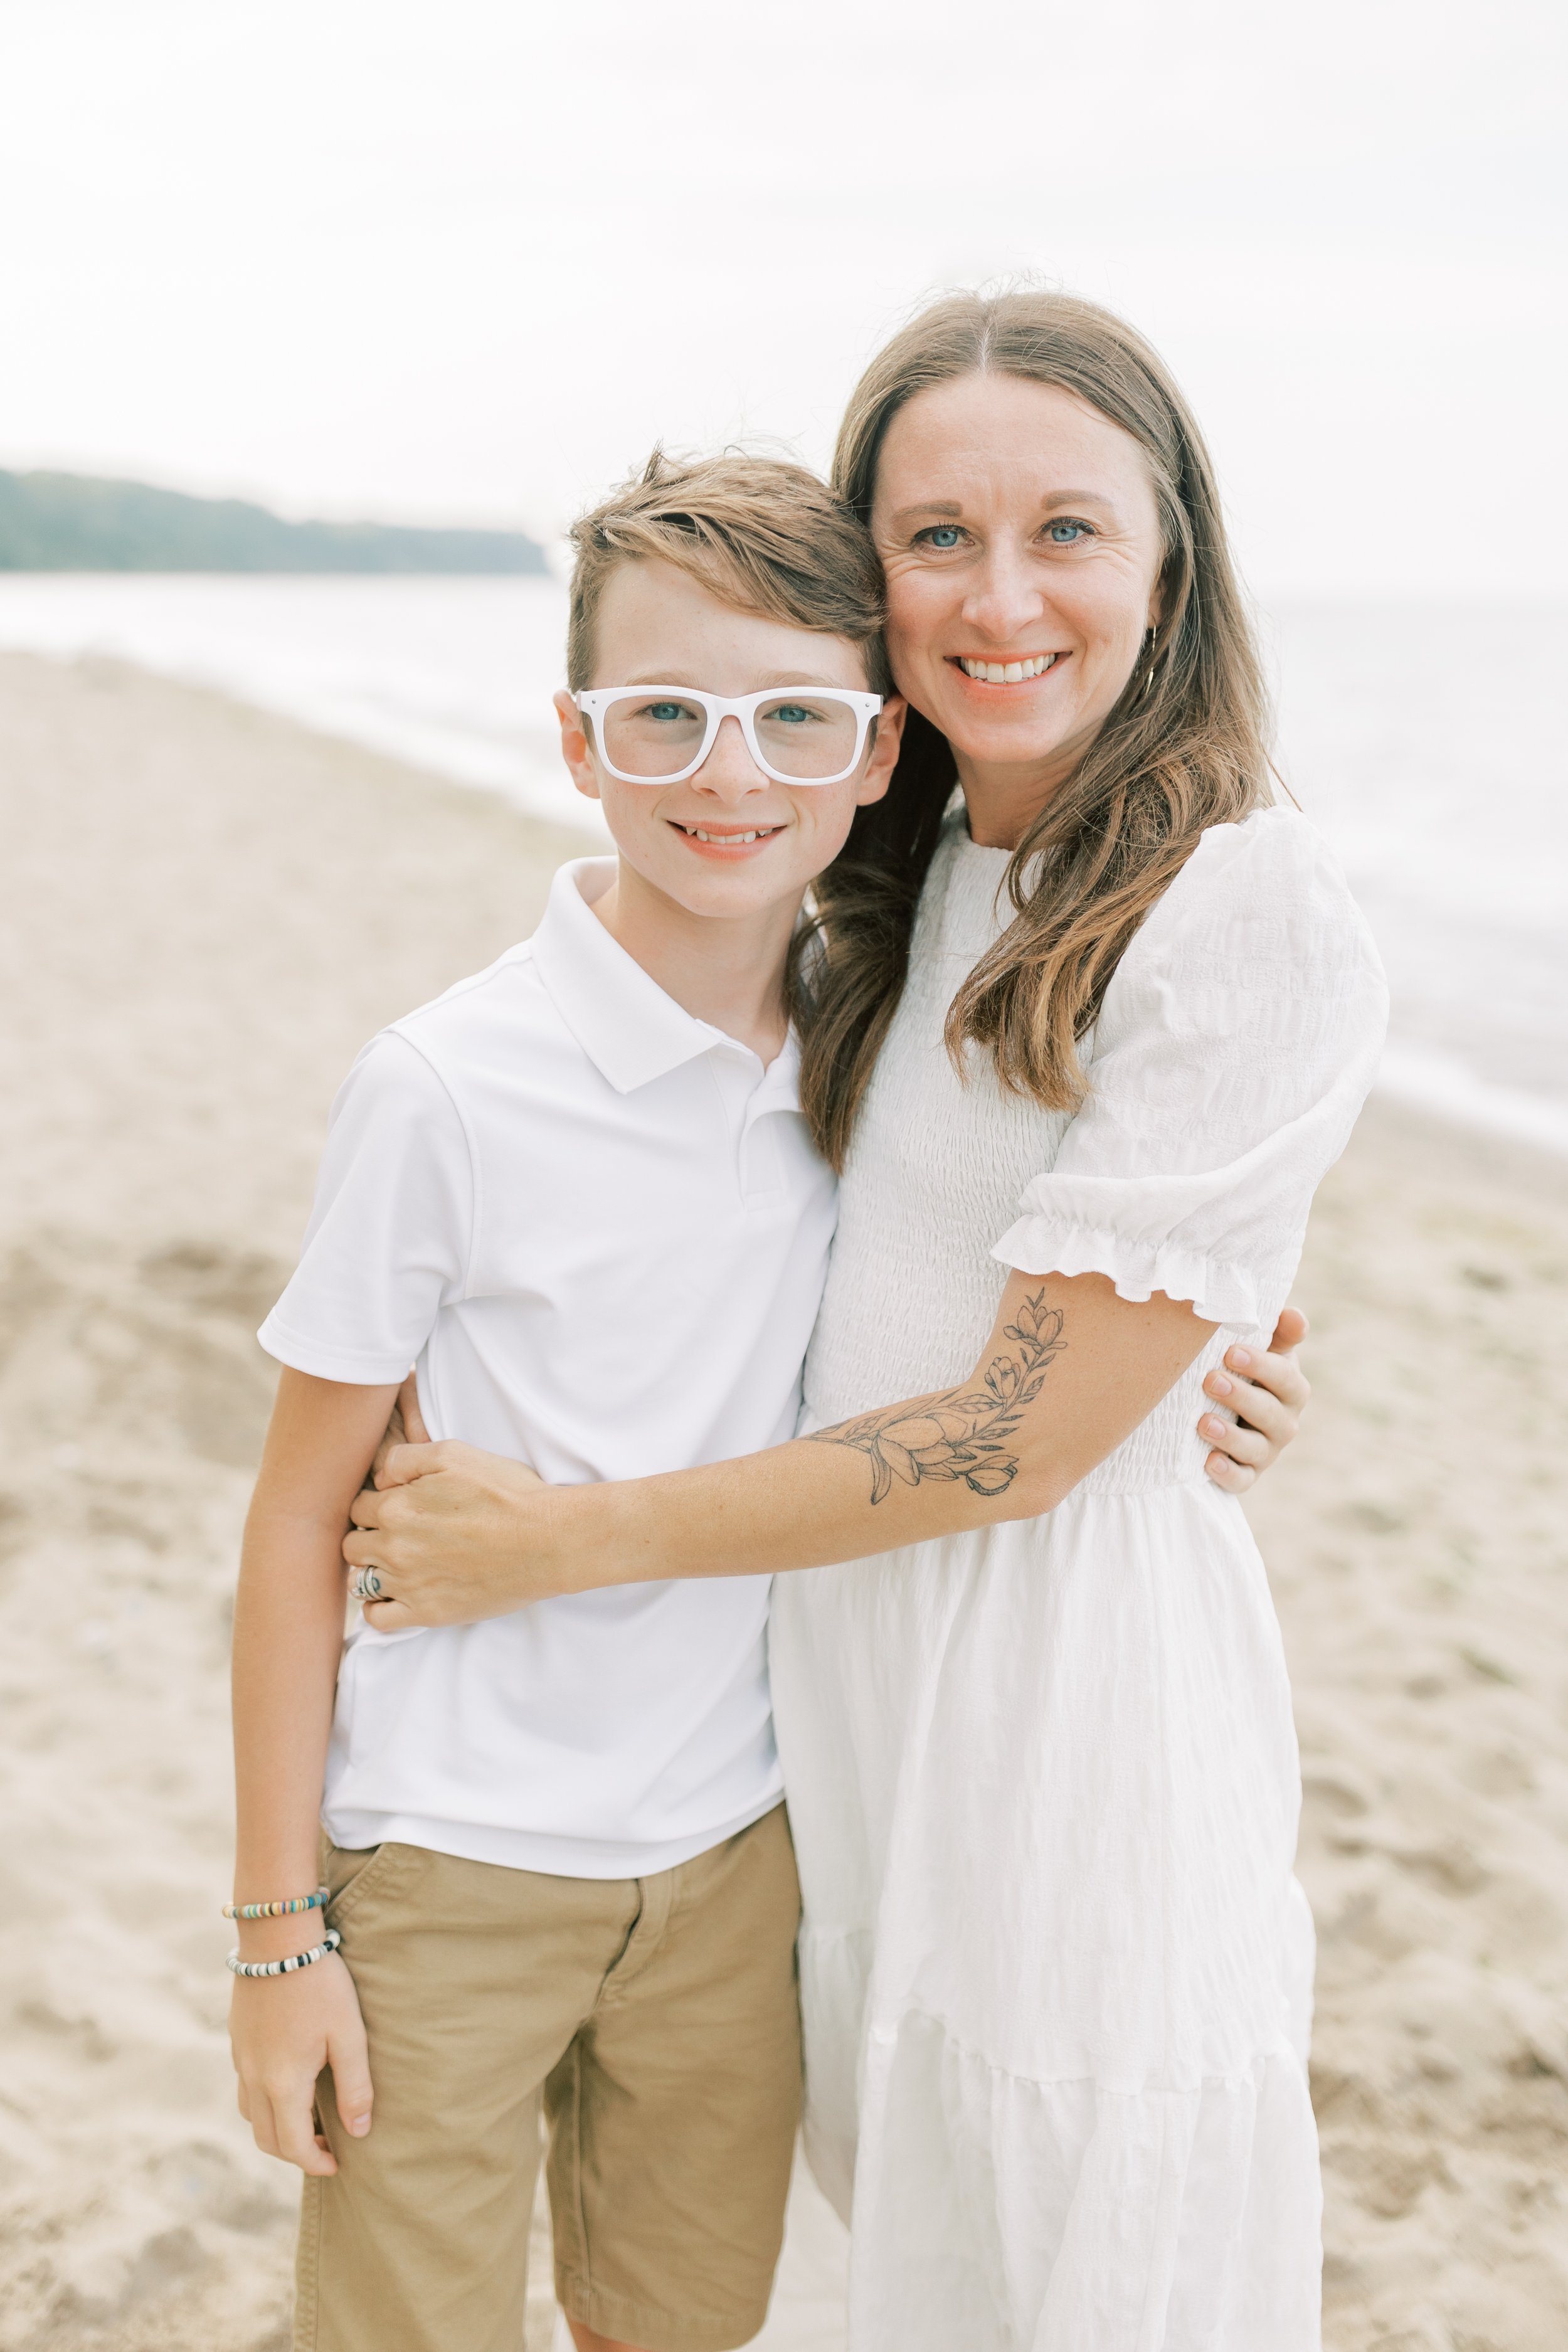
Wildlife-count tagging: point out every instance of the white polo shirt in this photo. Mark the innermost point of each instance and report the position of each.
(599, 1227)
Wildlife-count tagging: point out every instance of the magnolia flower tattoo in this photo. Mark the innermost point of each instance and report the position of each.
(963, 1433)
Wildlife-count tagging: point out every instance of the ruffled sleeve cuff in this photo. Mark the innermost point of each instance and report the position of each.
(1234, 1049)
(1221, 1237)
(1220, 1291)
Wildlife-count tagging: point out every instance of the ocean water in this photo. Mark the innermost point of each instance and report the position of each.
(1427, 741)
(455, 675)
(1424, 740)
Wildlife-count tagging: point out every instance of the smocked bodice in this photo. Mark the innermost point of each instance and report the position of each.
(936, 1173)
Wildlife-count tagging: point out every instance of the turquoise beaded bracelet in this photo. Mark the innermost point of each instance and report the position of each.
(285, 1968)
(277, 1910)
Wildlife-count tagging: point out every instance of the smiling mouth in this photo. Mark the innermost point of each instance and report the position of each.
(1008, 673)
(738, 838)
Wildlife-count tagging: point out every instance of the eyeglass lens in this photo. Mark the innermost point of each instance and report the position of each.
(801, 734)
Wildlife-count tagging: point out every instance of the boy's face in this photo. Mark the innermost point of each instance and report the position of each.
(729, 840)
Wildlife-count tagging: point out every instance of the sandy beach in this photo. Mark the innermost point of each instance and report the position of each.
(206, 912)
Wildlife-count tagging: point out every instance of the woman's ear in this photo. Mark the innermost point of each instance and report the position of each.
(576, 749)
(884, 759)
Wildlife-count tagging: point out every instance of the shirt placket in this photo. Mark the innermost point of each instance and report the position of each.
(749, 1102)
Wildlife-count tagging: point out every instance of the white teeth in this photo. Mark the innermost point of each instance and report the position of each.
(1006, 673)
(724, 840)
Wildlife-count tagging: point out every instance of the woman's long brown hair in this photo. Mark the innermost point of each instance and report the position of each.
(1183, 748)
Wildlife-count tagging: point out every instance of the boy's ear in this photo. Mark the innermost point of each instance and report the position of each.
(574, 747)
(884, 756)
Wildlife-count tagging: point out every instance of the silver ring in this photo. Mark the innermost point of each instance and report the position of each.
(365, 1584)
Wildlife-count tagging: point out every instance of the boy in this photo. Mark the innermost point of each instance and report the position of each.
(579, 1191)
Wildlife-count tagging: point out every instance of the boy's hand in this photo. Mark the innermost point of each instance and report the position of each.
(282, 2032)
(457, 1535)
(1268, 1394)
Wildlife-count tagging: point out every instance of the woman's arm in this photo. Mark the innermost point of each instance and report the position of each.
(288, 1635)
(1069, 1370)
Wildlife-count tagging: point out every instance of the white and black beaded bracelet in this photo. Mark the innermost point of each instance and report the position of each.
(329, 1943)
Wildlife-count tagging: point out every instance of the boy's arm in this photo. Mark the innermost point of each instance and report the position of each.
(288, 1635)
(1267, 1393)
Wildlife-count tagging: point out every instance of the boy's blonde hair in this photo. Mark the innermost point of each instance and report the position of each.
(761, 534)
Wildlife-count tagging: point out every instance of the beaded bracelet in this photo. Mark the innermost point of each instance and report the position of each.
(285, 1968)
(275, 1910)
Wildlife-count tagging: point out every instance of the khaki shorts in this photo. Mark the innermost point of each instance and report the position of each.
(658, 2020)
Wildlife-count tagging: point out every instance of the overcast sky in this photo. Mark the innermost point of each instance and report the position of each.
(466, 260)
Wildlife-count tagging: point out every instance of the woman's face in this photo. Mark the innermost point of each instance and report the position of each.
(1021, 540)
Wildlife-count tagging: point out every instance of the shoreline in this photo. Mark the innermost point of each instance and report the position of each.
(211, 909)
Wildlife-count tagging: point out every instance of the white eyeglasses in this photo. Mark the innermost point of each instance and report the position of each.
(662, 734)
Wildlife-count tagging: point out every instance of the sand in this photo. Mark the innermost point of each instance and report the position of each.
(1418, 1542)
(205, 912)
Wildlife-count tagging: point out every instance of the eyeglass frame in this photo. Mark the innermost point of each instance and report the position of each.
(592, 700)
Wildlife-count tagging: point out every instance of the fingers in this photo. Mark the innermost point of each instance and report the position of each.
(379, 1508)
(360, 1547)
(1281, 1375)
(256, 2109)
(415, 1433)
(1269, 1391)
(283, 2123)
(393, 1434)
(1257, 1409)
(349, 2059)
(407, 1462)
(371, 1546)
(389, 1616)
(365, 1508)
(1234, 1478)
(1249, 1448)
(405, 1426)
(298, 2142)
(1289, 1331)
(376, 1516)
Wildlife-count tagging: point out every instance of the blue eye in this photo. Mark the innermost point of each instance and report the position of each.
(793, 714)
(941, 535)
(1067, 533)
(665, 712)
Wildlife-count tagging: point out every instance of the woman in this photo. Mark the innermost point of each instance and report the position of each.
(1083, 1045)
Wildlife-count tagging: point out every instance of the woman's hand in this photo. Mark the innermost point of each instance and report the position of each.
(455, 1535)
(446, 1541)
(1268, 1394)
(405, 1426)
(282, 2032)
(458, 1535)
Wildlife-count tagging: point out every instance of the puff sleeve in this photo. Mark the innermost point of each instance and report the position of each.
(1235, 1047)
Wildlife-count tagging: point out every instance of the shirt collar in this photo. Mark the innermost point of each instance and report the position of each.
(630, 1030)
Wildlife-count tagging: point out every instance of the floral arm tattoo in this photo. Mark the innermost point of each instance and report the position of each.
(963, 1433)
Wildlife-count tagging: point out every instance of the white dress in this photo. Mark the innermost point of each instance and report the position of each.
(1056, 1972)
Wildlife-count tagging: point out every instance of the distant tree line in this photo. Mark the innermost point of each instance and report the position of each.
(71, 522)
